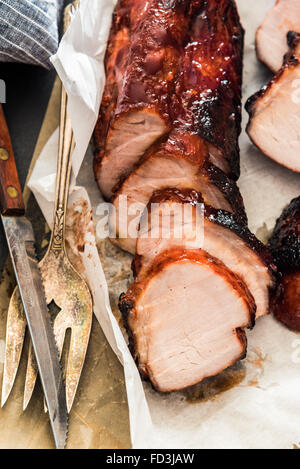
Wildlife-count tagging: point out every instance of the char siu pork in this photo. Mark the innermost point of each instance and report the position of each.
(168, 132)
(142, 60)
(285, 246)
(274, 125)
(271, 43)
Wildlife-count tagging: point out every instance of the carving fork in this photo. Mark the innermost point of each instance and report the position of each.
(63, 286)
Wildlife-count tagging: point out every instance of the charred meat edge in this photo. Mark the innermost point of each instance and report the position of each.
(285, 247)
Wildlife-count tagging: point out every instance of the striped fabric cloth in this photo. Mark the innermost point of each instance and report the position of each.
(29, 30)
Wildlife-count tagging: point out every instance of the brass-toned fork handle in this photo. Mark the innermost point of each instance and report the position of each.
(64, 165)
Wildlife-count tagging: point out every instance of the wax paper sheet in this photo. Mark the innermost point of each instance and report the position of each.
(255, 404)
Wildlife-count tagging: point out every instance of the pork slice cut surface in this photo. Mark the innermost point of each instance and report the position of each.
(274, 125)
(271, 42)
(187, 320)
(178, 219)
(115, 65)
(128, 139)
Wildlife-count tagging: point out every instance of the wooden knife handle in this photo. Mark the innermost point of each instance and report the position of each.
(11, 198)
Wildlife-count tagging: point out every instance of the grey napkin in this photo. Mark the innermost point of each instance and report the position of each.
(29, 30)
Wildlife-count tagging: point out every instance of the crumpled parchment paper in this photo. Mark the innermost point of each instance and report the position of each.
(255, 404)
(99, 417)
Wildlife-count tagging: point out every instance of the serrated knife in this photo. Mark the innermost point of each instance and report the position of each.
(21, 243)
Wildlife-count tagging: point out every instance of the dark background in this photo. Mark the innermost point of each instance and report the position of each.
(28, 90)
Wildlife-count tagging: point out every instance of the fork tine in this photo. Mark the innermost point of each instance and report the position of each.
(80, 324)
(59, 333)
(77, 353)
(59, 327)
(15, 333)
(31, 376)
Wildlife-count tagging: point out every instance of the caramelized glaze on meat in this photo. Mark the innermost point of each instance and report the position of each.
(209, 91)
(285, 247)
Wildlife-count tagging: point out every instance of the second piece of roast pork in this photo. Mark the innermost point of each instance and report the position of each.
(186, 319)
(179, 219)
(271, 43)
(285, 247)
(274, 125)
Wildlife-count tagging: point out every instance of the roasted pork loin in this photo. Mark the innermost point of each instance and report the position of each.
(153, 82)
(168, 134)
(285, 247)
(271, 43)
(186, 319)
(274, 123)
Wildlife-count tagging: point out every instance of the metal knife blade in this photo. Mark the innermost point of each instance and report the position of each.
(20, 238)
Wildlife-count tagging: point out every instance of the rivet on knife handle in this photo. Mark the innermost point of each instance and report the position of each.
(11, 199)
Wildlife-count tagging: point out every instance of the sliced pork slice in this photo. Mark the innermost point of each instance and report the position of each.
(115, 62)
(143, 110)
(274, 125)
(285, 247)
(183, 163)
(218, 160)
(186, 319)
(271, 36)
(129, 137)
(178, 219)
